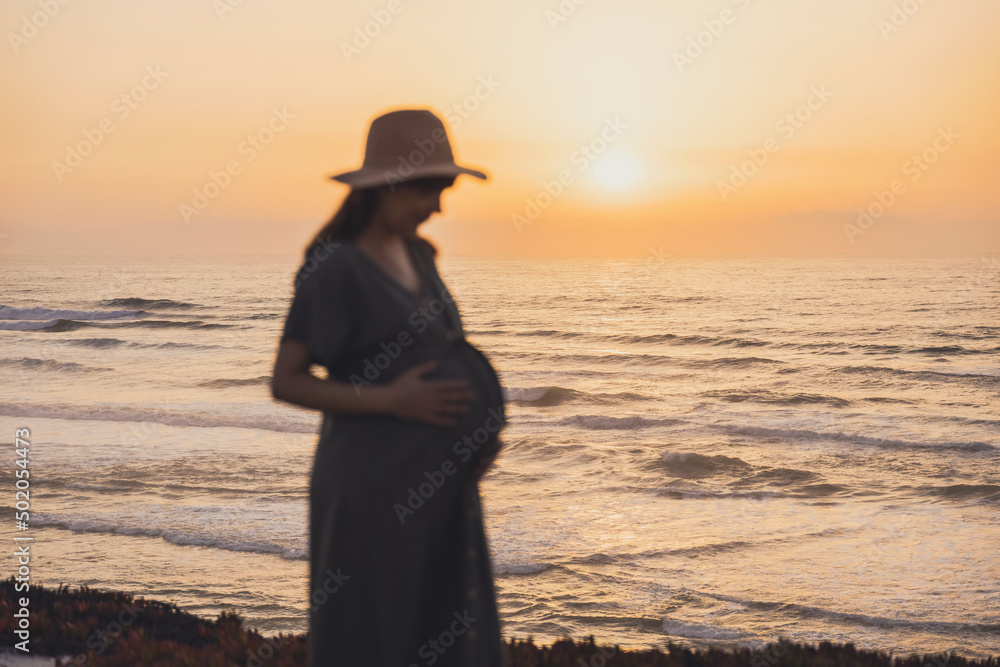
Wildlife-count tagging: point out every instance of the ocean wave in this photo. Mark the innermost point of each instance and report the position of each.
(785, 612)
(920, 374)
(800, 611)
(165, 324)
(952, 350)
(600, 422)
(32, 325)
(127, 413)
(830, 347)
(594, 559)
(692, 630)
(541, 396)
(943, 350)
(213, 485)
(778, 476)
(764, 396)
(178, 537)
(988, 492)
(501, 567)
(72, 325)
(730, 362)
(225, 383)
(148, 304)
(717, 548)
(604, 357)
(102, 343)
(547, 333)
(689, 493)
(821, 490)
(549, 396)
(837, 436)
(39, 313)
(838, 347)
(172, 344)
(29, 363)
(616, 397)
(695, 339)
(99, 343)
(690, 465)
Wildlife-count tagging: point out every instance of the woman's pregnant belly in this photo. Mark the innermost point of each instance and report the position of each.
(475, 434)
(369, 445)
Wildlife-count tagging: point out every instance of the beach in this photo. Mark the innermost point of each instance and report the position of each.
(709, 452)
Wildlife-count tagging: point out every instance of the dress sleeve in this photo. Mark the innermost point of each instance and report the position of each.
(319, 316)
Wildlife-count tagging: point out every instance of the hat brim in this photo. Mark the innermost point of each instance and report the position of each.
(370, 177)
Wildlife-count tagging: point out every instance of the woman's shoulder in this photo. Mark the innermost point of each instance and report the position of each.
(326, 262)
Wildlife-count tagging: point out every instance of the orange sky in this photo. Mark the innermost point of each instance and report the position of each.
(731, 127)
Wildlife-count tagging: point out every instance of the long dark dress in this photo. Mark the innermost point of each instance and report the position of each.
(399, 566)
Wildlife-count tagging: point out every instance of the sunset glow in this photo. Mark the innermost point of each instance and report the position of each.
(727, 128)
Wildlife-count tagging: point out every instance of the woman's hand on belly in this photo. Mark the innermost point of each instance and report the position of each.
(434, 401)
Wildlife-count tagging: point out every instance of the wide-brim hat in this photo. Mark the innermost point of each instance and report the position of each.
(402, 146)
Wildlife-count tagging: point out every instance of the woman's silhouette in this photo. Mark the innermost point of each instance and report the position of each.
(399, 565)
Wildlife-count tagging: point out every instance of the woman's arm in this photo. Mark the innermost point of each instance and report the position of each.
(293, 382)
(407, 396)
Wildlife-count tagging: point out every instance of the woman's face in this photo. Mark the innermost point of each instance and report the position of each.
(404, 208)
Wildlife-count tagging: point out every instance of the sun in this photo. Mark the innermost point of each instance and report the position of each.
(618, 170)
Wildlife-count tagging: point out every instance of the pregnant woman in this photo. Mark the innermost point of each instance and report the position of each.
(399, 566)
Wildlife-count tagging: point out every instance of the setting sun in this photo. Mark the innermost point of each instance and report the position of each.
(617, 170)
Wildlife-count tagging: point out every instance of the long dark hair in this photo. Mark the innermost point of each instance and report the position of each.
(347, 223)
(356, 211)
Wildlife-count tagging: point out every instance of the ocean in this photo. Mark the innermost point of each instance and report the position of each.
(700, 451)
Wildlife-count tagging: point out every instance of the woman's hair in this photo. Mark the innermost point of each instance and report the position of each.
(349, 221)
(356, 211)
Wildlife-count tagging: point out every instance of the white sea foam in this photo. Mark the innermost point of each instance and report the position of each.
(695, 630)
(174, 536)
